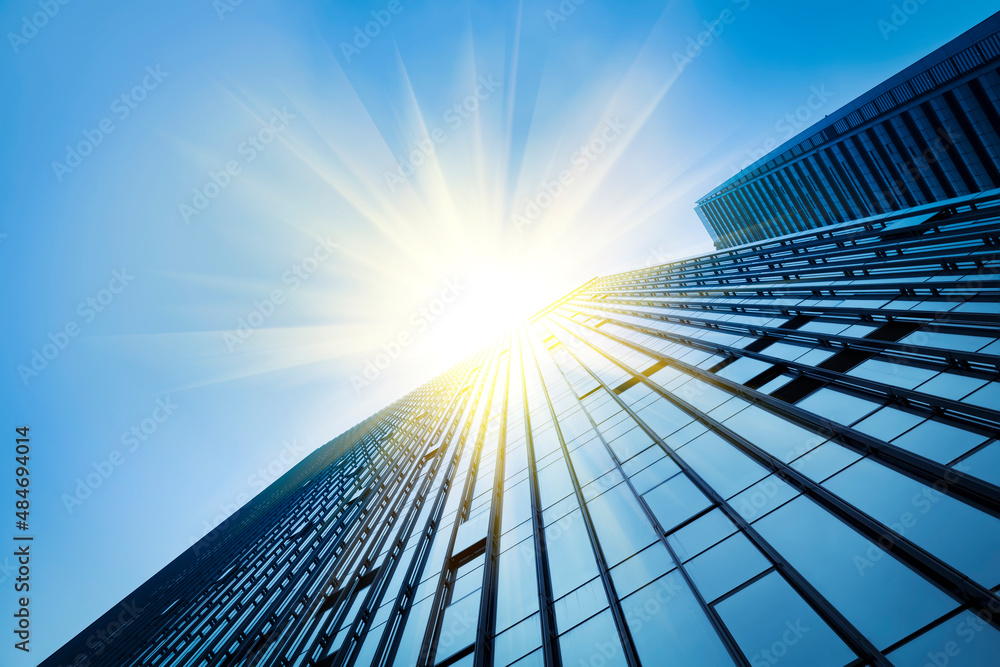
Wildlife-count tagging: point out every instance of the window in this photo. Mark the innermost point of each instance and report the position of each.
(512, 644)
(725, 566)
(939, 441)
(676, 501)
(597, 639)
(962, 641)
(669, 627)
(640, 569)
(960, 535)
(724, 467)
(571, 557)
(700, 534)
(878, 594)
(622, 528)
(580, 604)
(772, 624)
(773, 434)
(836, 405)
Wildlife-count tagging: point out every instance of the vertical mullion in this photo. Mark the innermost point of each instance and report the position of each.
(550, 637)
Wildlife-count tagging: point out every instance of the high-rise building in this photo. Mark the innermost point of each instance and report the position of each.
(929, 133)
(783, 453)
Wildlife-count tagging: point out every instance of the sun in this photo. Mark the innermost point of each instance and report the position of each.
(495, 295)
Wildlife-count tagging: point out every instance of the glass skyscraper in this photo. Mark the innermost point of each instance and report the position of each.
(784, 453)
(929, 133)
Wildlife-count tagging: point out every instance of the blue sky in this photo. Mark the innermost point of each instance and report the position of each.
(269, 225)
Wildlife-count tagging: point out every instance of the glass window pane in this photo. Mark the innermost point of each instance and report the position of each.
(458, 627)
(987, 397)
(603, 483)
(536, 659)
(664, 417)
(725, 566)
(517, 585)
(467, 582)
(773, 625)
(985, 464)
(878, 594)
(824, 461)
(467, 661)
(700, 534)
(642, 460)
(579, 605)
(958, 534)
(894, 373)
(963, 641)
(654, 474)
(590, 461)
(724, 467)
(686, 434)
(836, 405)
(571, 558)
(888, 423)
(773, 434)
(413, 634)
(554, 482)
(676, 501)
(560, 509)
(516, 505)
(702, 395)
(950, 385)
(669, 627)
(594, 642)
(641, 569)
(510, 645)
(939, 441)
(631, 443)
(621, 526)
(766, 495)
(743, 369)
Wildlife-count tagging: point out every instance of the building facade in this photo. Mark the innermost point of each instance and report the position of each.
(785, 453)
(930, 133)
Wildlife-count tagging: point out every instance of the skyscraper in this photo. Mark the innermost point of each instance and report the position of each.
(929, 133)
(783, 453)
